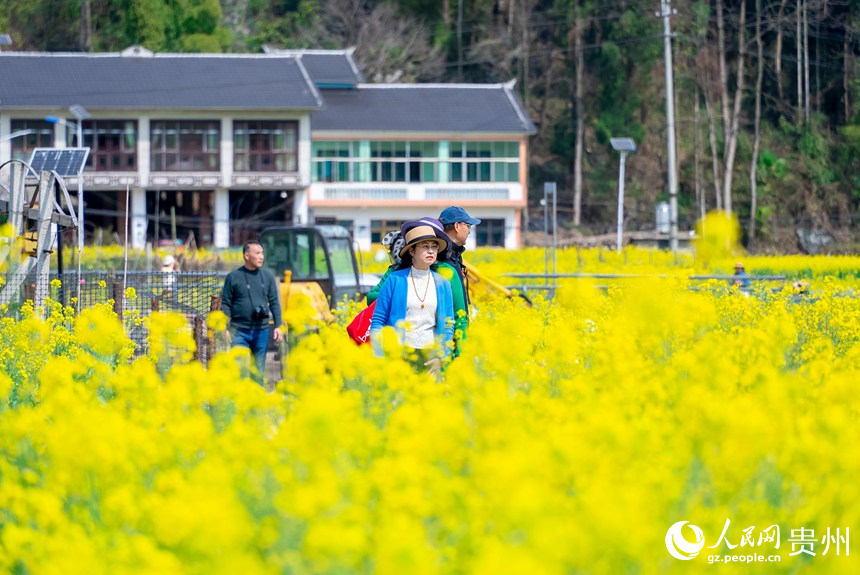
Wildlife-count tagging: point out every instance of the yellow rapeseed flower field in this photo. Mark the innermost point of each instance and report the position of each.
(568, 437)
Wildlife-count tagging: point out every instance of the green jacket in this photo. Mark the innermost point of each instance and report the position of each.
(461, 316)
(374, 291)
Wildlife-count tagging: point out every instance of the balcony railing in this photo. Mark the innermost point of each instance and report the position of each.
(322, 192)
(468, 194)
(365, 193)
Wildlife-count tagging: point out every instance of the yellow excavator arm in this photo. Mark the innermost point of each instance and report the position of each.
(480, 286)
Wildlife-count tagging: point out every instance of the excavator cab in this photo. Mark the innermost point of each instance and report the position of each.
(307, 256)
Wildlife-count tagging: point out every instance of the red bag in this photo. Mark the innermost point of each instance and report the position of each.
(359, 328)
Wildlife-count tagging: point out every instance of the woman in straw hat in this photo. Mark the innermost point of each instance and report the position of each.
(393, 243)
(417, 301)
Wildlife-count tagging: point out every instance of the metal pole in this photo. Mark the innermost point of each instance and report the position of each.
(620, 228)
(80, 213)
(60, 274)
(545, 233)
(80, 233)
(666, 13)
(125, 251)
(554, 229)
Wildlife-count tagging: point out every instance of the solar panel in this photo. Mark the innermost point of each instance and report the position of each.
(65, 161)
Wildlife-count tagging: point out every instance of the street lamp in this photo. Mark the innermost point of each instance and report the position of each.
(80, 113)
(625, 146)
(16, 134)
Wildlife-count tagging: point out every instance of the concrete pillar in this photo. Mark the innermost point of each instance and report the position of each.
(361, 232)
(227, 151)
(59, 136)
(221, 218)
(304, 151)
(301, 211)
(144, 150)
(137, 229)
(5, 145)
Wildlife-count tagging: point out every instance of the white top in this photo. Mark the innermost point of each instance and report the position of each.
(420, 315)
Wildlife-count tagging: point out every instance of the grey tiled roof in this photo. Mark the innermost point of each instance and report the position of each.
(491, 108)
(160, 81)
(328, 68)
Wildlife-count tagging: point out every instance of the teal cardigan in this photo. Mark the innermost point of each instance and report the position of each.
(391, 308)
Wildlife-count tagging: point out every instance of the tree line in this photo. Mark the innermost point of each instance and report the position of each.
(766, 91)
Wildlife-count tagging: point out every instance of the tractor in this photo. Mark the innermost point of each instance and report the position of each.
(317, 261)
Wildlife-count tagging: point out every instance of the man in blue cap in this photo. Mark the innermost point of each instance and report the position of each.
(458, 223)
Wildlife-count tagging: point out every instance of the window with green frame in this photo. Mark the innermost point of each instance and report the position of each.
(332, 161)
(414, 161)
(484, 161)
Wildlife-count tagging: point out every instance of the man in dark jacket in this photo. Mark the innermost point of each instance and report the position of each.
(458, 224)
(249, 297)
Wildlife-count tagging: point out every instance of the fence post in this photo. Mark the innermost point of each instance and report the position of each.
(214, 305)
(199, 336)
(118, 296)
(154, 304)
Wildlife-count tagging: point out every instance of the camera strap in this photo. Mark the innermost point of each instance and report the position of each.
(251, 292)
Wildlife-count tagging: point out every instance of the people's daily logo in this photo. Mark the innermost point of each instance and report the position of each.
(678, 545)
(685, 544)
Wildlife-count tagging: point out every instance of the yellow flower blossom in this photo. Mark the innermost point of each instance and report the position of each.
(567, 437)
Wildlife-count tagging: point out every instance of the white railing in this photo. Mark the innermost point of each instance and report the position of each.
(364, 193)
(502, 194)
(325, 192)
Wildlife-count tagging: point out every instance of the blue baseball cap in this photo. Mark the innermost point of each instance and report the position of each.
(456, 214)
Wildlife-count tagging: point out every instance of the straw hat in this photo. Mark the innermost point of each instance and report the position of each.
(420, 234)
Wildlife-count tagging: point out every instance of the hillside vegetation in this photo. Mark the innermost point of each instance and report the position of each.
(767, 116)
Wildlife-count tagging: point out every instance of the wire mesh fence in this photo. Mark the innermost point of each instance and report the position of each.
(137, 294)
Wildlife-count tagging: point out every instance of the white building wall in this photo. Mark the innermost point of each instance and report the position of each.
(362, 217)
(144, 146)
(138, 218)
(221, 238)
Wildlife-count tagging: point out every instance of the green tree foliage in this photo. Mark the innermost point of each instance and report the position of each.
(159, 25)
(810, 127)
(43, 25)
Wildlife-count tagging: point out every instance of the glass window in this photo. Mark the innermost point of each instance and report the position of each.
(112, 143)
(414, 161)
(185, 146)
(491, 232)
(41, 136)
(378, 229)
(456, 171)
(265, 146)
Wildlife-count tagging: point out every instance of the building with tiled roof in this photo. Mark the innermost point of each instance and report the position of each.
(218, 146)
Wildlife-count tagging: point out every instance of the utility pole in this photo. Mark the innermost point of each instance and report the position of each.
(666, 12)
